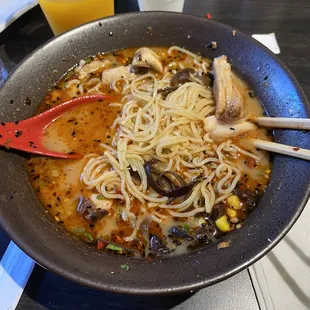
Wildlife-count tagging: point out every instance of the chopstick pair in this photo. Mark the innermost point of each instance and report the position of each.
(282, 122)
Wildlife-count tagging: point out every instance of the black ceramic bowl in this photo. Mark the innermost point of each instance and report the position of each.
(46, 242)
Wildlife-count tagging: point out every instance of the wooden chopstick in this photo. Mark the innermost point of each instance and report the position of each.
(282, 149)
(283, 122)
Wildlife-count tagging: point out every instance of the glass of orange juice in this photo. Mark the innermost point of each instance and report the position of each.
(63, 15)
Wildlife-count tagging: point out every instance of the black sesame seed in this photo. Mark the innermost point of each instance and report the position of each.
(49, 205)
(31, 144)
(2, 123)
(16, 122)
(18, 133)
(11, 101)
(0, 136)
(100, 24)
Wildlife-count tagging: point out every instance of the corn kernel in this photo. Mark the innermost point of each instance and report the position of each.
(234, 202)
(267, 171)
(222, 223)
(231, 213)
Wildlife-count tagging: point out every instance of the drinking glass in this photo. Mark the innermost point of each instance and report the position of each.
(63, 15)
(161, 5)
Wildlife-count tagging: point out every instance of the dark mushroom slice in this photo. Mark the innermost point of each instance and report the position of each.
(86, 208)
(95, 215)
(203, 236)
(83, 205)
(182, 77)
(218, 211)
(175, 192)
(158, 247)
(179, 233)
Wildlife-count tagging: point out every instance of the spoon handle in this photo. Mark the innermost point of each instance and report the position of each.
(15, 269)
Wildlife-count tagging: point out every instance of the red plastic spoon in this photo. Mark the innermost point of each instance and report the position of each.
(27, 135)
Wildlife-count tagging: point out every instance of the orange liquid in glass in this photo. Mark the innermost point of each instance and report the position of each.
(63, 15)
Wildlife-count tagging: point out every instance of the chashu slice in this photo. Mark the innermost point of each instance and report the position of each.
(219, 130)
(114, 74)
(229, 103)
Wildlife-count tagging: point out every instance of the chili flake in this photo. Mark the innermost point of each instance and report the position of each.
(208, 16)
(100, 245)
(31, 144)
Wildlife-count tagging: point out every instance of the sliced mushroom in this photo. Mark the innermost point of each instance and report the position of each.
(229, 103)
(146, 58)
(182, 77)
(83, 205)
(158, 247)
(91, 211)
(179, 233)
(110, 75)
(221, 131)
